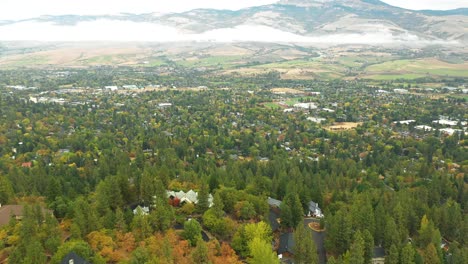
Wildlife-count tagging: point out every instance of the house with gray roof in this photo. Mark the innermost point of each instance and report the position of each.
(274, 202)
(314, 210)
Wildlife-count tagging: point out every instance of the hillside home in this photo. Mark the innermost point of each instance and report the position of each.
(314, 210)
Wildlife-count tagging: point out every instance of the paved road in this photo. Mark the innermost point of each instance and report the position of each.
(319, 238)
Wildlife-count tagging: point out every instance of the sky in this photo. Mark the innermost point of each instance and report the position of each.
(14, 9)
(21, 9)
(428, 4)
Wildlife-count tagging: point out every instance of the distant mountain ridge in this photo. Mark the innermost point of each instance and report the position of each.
(312, 18)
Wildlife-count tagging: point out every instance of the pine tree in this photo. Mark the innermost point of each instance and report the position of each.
(297, 212)
(407, 254)
(357, 250)
(391, 235)
(368, 246)
(286, 217)
(305, 250)
(218, 205)
(6, 190)
(392, 257)
(339, 232)
(203, 195)
(163, 216)
(427, 233)
(120, 223)
(380, 221)
(147, 187)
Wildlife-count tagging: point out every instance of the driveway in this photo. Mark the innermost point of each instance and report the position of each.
(319, 239)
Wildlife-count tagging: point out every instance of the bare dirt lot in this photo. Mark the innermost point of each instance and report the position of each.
(286, 90)
(343, 126)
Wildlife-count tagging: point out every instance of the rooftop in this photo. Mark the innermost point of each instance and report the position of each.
(286, 243)
(274, 202)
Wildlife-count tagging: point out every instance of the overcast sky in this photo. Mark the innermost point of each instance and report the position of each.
(428, 4)
(20, 9)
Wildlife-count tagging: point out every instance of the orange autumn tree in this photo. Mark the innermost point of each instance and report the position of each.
(102, 243)
(222, 253)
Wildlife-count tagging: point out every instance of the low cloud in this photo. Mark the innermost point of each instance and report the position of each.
(115, 30)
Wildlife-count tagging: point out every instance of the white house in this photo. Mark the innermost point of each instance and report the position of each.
(305, 105)
(423, 127)
(314, 210)
(450, 131)
(188, 197)
(404, 122)
(400, 91)
(317, 120)
(111, 88)
(141, 210)
(448, 122)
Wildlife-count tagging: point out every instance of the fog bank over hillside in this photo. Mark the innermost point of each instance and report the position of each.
(114, 30)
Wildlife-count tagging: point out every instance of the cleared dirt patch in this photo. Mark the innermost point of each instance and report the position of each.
(343, 126)
(286, 90)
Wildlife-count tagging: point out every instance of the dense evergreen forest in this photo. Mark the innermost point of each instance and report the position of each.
(97, 157)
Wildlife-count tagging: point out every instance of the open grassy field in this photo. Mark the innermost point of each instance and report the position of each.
(412, 69)
(387, 77)
(290, 62)
(25, 61)
(211, 61)
(271, 105)
(155, 62)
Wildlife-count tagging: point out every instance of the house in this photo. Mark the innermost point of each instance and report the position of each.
(451, 89)
(189, 197)
(141, 210)
(378, 256)
(73, 258)
(446, 122)
(424, 128)
(450, 131)
(286, 246)
(445, 245)
(111, 88)
(404, 122)
(162, 105)
(317, 120)
(400, 91)
(314, 210)
(273, 202)
(14, 211)
(305, 105)
(130, 87)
